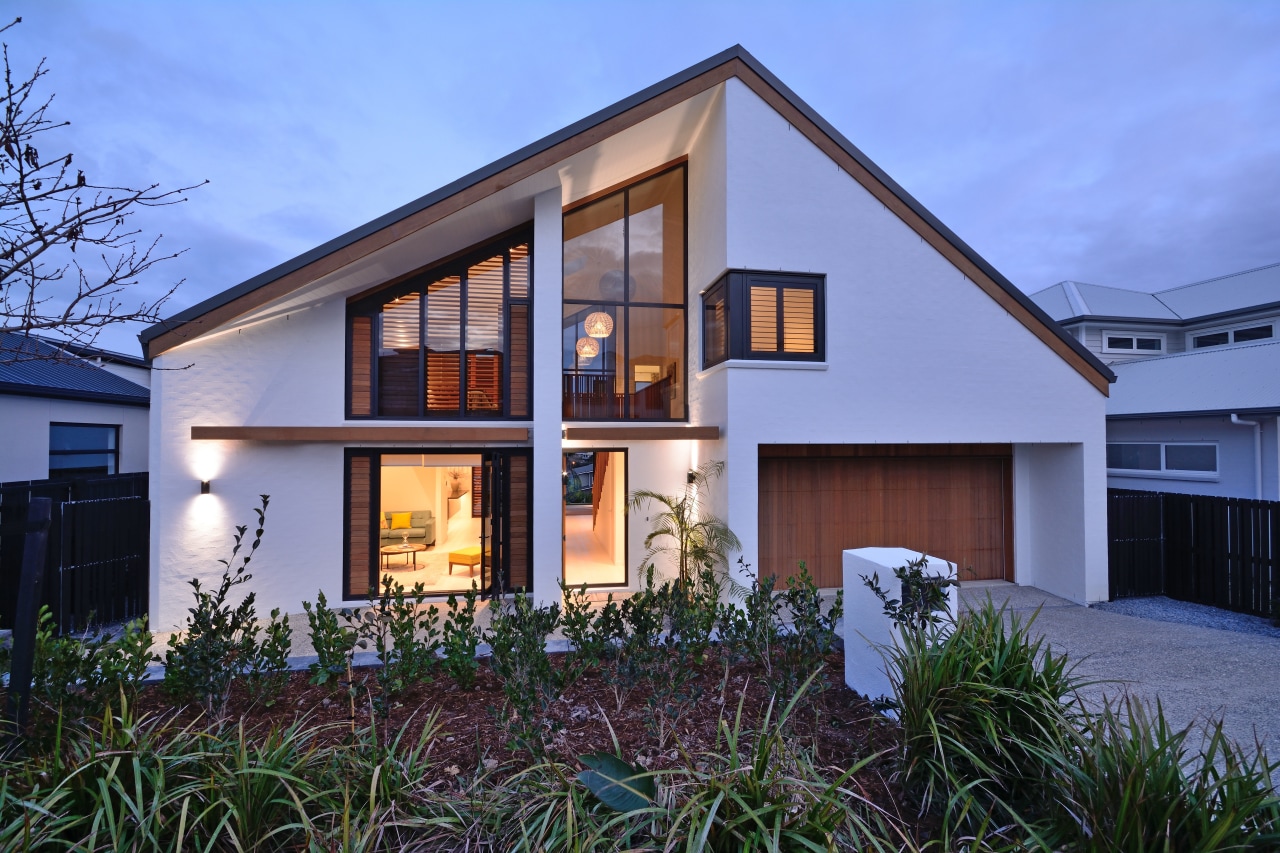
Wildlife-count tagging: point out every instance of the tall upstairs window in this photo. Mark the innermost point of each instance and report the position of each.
(453, 342)
(623, 333)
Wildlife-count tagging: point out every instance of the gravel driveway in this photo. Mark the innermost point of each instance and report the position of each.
(1197, 671)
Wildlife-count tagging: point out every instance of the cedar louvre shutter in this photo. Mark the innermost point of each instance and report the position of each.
(797, 319)
(359, 574)
(519, 355)
(517, 543)
(361, 366)
(764, 319)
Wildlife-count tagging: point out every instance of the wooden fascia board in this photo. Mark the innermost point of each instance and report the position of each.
(358, 434)
(642, 433)
(917, 223)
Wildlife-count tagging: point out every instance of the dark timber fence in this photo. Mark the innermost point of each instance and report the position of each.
(1219, 551)
(98, 552)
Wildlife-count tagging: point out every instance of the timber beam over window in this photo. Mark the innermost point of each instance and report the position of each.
(358, 433)
(641, 433)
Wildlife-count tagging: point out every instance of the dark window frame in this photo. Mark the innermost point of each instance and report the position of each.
(734, 288)
(370, 303)
(375, 454)
(625, 305)
(113, 452)
(1164, 471)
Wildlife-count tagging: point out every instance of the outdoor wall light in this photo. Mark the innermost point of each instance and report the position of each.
(691, 476)
(204, 487)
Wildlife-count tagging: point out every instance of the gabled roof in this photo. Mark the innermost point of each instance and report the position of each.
(33, 367)
(1219, 380)
(1188, 303)
(735, 62)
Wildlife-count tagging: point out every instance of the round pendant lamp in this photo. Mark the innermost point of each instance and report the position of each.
(587, 348)
(598, 324)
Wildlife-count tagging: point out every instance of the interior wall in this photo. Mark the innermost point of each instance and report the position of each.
(405, 488)
(609, 524)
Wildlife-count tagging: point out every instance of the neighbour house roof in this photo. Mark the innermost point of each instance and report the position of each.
(1199, 301)
(34, 367)
(1220, 380)
(735, 62)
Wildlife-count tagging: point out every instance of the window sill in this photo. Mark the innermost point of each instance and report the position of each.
(1201, 476)
(753, 364)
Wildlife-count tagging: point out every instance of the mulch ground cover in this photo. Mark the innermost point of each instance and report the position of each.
(837, 725)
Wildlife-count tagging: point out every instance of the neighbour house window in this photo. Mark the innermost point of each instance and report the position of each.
(1196, 460)
(765, 316)
(83, 450)
(623, 335)
(1142, 342)
(1244, 334)
(453, 342)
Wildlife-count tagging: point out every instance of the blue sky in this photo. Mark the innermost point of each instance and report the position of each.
(1126, 144)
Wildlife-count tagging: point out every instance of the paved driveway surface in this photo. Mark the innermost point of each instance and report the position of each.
(1196, 672)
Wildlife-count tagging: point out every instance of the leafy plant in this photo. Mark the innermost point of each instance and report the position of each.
(332, 642)
(1135, 784)
(530, 683)
(589, 646)
(809, 637)
(619, 785)
(269, 666)
(924, 596)
(985, 712)
(461, 639)
(681, 526)
(218, 642)
(403, 634)
(752, 632)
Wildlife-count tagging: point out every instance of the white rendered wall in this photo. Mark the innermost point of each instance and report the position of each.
(24, 425)
(548, 284)
(916, 353)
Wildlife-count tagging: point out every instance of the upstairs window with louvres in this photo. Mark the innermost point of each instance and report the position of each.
(764, 316)
(453, 342)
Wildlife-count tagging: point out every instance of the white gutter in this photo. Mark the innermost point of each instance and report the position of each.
(1257, 452)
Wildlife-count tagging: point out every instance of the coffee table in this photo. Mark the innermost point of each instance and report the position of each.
(407, 549)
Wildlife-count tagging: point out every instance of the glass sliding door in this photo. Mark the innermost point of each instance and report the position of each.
(595, 519)
(444, 519)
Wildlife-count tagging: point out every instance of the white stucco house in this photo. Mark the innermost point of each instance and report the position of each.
(706, 270)
(1196, 408)
(68, 410)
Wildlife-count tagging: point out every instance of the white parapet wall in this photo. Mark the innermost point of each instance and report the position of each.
(867, 631)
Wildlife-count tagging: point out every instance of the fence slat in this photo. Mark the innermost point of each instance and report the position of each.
(1210, 550)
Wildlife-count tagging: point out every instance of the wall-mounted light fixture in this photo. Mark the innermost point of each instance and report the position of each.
(691, 476)
(204, 487)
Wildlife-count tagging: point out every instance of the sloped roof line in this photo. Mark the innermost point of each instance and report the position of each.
(1215, 278)
(33, 366)
(716, 69)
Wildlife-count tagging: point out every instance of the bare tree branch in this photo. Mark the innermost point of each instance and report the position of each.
(68, 251)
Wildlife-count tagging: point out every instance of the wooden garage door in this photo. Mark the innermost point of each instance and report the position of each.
(951, 501)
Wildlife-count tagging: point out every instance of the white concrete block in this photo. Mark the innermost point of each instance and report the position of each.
(866, 628)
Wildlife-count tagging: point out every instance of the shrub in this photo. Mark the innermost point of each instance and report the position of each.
(269, 666)
(461, 639)
(985, 714)
(589, 640)
(1134, 785)
(810, 635)
(333, 643)
(518, 634)
(924, 596)
(404, 635)
(219, 641)
(752, 632)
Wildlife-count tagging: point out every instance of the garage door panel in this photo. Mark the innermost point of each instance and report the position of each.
(955, 507)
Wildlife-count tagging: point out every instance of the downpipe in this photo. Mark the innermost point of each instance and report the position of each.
(1257, 452)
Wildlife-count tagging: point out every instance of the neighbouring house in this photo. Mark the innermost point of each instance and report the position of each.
(70, 411)
(1196, 407)
(706, 270)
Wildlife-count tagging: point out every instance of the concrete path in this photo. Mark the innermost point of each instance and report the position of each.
(1196, 672)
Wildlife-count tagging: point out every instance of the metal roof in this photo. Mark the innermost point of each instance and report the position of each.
(735, 53)
(1215, 380)
(1211, 298)
(34, 367)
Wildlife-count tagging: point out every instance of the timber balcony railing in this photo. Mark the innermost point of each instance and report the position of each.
(593, 396)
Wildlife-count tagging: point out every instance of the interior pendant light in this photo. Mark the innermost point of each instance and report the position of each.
(598, 324)
(588, 348)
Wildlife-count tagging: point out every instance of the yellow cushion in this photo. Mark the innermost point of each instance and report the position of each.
(400, 520)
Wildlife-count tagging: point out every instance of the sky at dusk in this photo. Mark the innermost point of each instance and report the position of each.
(1127, 144)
